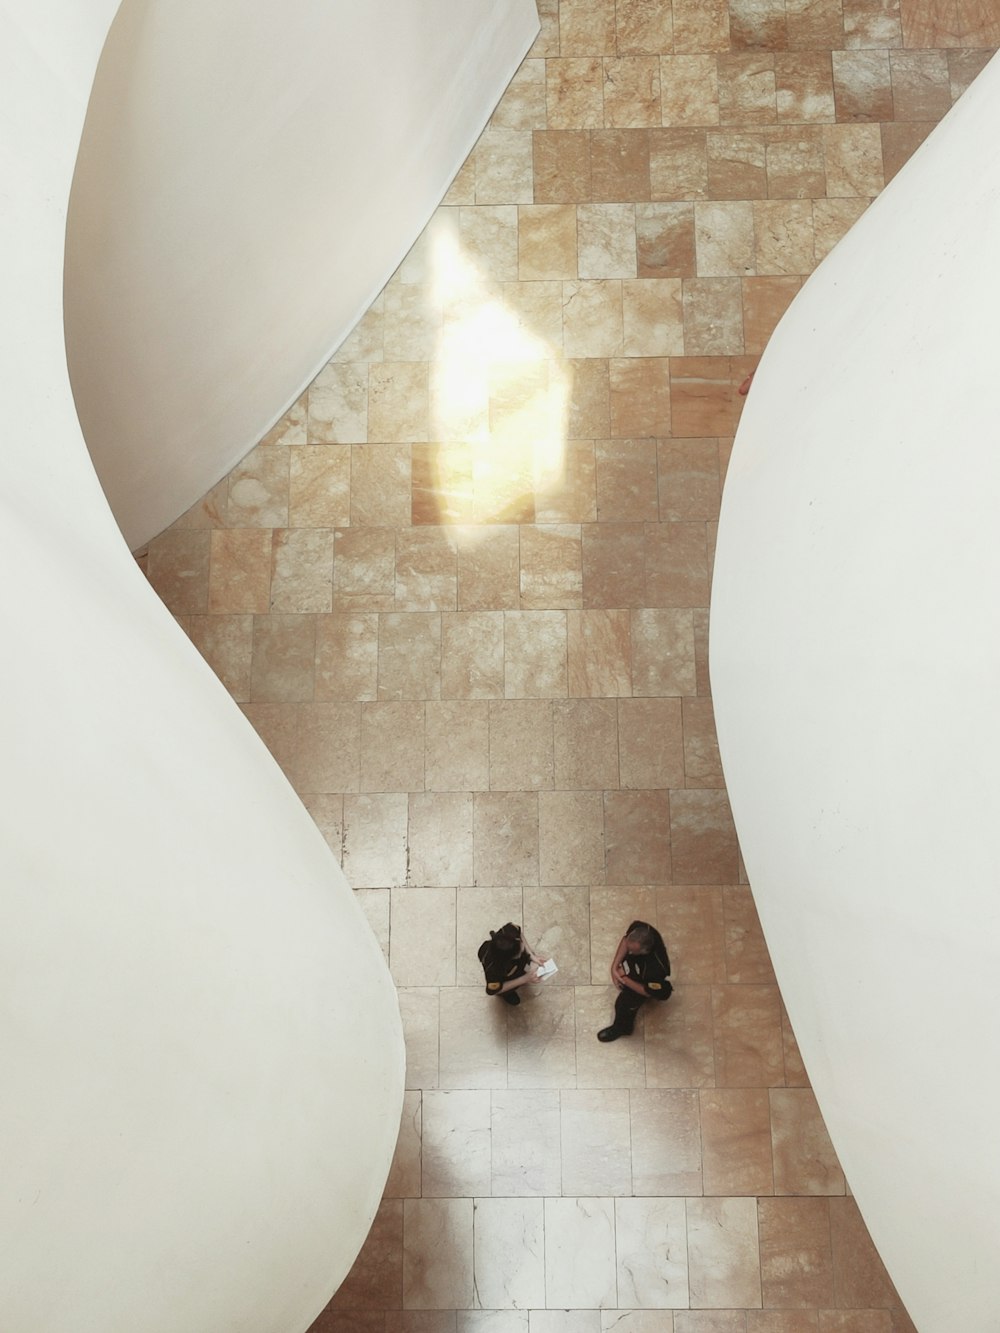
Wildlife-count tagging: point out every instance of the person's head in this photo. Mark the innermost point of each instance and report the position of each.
(640, 938)
(508, 938)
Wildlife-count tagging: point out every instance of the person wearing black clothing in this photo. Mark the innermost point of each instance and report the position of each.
(509, 962)
(640, 971)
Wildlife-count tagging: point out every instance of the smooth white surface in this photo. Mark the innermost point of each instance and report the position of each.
(250, 176)
(202, 1054)
(855, 657)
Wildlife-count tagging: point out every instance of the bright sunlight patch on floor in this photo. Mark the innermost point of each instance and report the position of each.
(499, 395)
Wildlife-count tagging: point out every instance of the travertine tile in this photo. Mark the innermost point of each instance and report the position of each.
(620, 165)
(677, 564)
(509, 1253)
(404, 1174)
(505, 838)
(592, 317)
(679, 1049)
(546, 242)
(580, 1264)
(585, 737)
(525, 1144)
(319, 493)
(380, 484)
(337, 404)
(409, 656)
(689, 86)
(570, 837)
(364, 569)
(900, 142)
(665, 240)
(814, 23)
(626, 480)
(534, 654)
(688, 474)
(723, 1253)
(737, 165)
(421, 933)
(783, 234)
(587, 27)
(747, 959)
(376, 1278)
(804, 84)
(412, 322)
(702, 765)
(522, 106)
(178, 568)
(520, 741)
(398, 401)
(562, 167)
(833, 219)
(239, 575)
(701, 26)
(440, 838)
(542, 1034)
(437, 1254)
(853, 160)
(426, 577)
(488, 568)
(678, 164)
(652, 1244)
(574, 93)
(596, 1151)
(457, 745)
(854, 1321)
(724, 239)
(862, 86)
(301, 570)
(599, 654)
(747, 89)
(653, 317)
(419, 1012)
(551, 566)
(691, 921)
(589, 415)
(258, 489)
(736, 1141)
(650, 743)
(804, 1159)
(503, 167)
(639, 394)
(701, 397)
(277, 725)
(284, 654)
(346, 656)
(796, 1259)
(663, 653)
(765, 300)
(758, 25)
(666, 1141)
(226, 643)
(473, 1039)
(375, 842)
(642, 26)
(455, 1144)
(859, 1277)
(747, 1022)
(637, 837)
(710, 1321)
(795, 162)
(472, 655)
(631, 91)
(713, 307)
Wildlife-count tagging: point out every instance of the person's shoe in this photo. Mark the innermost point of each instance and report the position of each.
(511, 997)
(610, 1034)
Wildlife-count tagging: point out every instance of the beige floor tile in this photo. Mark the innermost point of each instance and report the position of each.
(535, 654)
(505, 838)
(574, 93)
(619, 1064)
(488, 569)
(853, 162)
(522, 106)
(409, 656)
(302, 570)
(652, 1246)
(419, 1011)
(632, 91)
(258, 489)
(585, 743)
(284, 656)
(650, 743)
(725, 248)
(375, 840)
(319, 487)
(239, 574)
(710, 1321)
(626, 480)
(404, 1173)
(472, 655)
(599, 654)
(736, 1141)
(375, 903)
(702, 765)
(562, 166)
(804, 86)
(473, 1039)
(457, 745)
(376, 1278)
(520, 740)
(398, 401)
(642, 26)
(855, 1321)
(546, 241)
(862, 85)
(614, 568)
(364, 570)
(551, 567)
(665, 242)
(440, 838)
(723, 1253)
(328, 753)
(619, 161)
(337, 404)
(380, 484)
(662, 652)
(596, 1149)
(677, 564)
(784, 234)
(606, 240)
(796, 1259)
(570, 837)
(639, 396)
(437, 1254)
(426, 576)
(666, 1141)
(859, 1277)
(748, 1050)
(679, 1047)
(689, 87)
(542, 1038)
(525, 1144)
(637, 837)
(747, 958)
(692, 924)
(580, 1263)
(701, 27)
(226, 643)
(804, 1159)
(592, 318)
(703, 838)
(509, 1253)
(455, 1144)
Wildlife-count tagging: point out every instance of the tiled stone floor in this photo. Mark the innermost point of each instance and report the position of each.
(461, 591)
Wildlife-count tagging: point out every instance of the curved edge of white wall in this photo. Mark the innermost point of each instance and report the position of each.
(250, 176)
(855, 655)
(203, 1057)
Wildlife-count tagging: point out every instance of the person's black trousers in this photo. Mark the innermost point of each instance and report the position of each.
(627, 1006)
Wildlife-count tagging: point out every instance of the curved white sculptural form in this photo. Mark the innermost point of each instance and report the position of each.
(202, 1054)
(855, 658)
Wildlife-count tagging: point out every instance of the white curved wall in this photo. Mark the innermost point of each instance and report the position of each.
(249, 177)
(202, 1055)
(855, 658)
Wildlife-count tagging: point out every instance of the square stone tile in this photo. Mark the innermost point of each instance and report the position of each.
(440, 838)
(521, 754)
(796, 1257)
(585, 743)
(505, 838)
(409, 656)
(703, 837)
(652, 1253)
(570, 837)
(804, 1159)
(748, 1049)
(723, 1253)
(457, 745)
(637, 837)
(509, 1253)
(535, 654)
(736, 1141)
(437, 1254)
(375, 841)
(666, 1141)
(599, 654)
(525, 1157)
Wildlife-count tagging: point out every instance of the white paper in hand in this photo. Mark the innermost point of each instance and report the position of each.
(546, 969)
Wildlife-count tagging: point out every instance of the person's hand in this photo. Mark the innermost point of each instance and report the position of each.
(534, 978)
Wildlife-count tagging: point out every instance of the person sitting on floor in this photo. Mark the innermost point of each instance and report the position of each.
(640, 971)
(509, 962)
